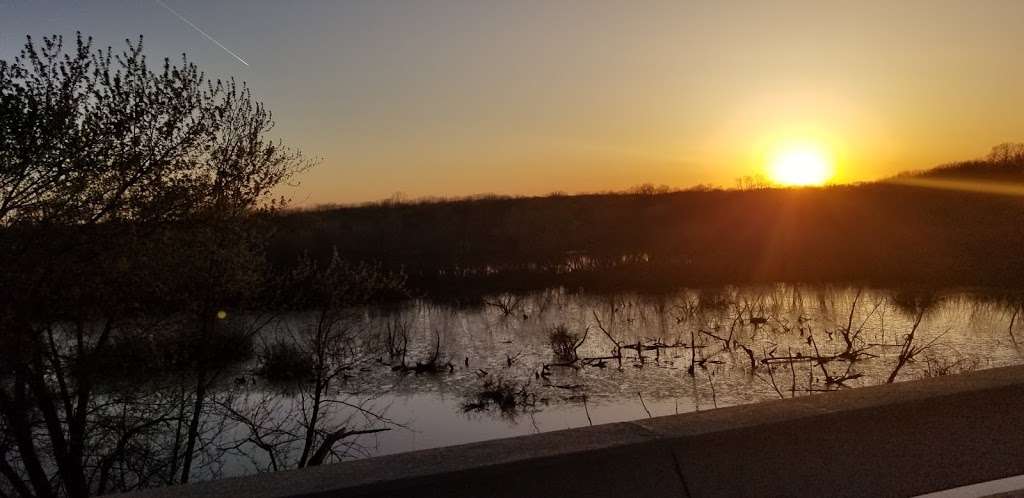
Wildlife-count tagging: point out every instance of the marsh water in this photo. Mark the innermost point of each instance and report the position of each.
(493, 371)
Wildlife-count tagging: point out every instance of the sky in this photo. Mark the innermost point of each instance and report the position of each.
(527, 97)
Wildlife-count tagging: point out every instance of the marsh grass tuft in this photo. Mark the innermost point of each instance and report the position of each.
(508, 397)
(283, 361)
(565, 344)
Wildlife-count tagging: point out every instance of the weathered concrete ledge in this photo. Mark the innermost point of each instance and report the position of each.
(895, 440)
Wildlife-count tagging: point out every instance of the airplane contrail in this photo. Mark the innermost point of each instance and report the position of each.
(200, 31)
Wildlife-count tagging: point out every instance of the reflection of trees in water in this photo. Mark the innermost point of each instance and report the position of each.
(276, 432)
(181, 404)
(793, 340)
(317, 420)
(139, 429)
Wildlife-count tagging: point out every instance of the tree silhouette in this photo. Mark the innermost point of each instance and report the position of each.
(125, 192)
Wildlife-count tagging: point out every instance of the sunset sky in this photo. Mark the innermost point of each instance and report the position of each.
(439, 97)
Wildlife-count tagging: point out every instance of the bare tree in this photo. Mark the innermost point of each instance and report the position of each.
(1007, 153)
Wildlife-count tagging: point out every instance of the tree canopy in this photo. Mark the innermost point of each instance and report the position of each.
(126, 194)
(90, 135)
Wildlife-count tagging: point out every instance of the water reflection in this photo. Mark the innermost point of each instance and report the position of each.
(425, 375)
(636, 355)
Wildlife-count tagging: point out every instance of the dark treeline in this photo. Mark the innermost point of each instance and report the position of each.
(884, 233)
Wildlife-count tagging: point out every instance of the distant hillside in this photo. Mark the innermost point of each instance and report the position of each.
(887, 233)
(985, 171)
(1004, 164)
(1001, 173)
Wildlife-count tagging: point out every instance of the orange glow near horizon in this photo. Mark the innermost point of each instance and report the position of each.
(460, 97)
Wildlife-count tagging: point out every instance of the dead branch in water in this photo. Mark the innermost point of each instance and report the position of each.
(750, 354)
(618, 347)
(506, 304)
(511, 360)
(772, 383)
(1013, 319)
(727, 342)
(431, 365)
(396, 340)
(792, 370)
(908, 350)
(693, 353)
(644, 404)
(655, 345)
(711, 383)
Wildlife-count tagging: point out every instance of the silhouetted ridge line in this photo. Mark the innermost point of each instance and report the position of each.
(884, 232)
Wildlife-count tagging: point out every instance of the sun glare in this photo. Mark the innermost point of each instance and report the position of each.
(800, 166)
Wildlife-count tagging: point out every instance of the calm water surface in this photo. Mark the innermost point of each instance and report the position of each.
(803, 340)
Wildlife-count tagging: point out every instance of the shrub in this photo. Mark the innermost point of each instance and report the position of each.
(937, 366)
(564, 343)
(283, 361)
(507, 396)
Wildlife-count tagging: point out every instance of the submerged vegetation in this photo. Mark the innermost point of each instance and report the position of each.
(565, 344)
(282, 361)
(506, 397)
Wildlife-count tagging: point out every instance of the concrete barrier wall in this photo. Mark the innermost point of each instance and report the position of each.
(894, 440)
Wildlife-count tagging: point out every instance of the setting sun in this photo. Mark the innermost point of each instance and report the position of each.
(800, 166)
